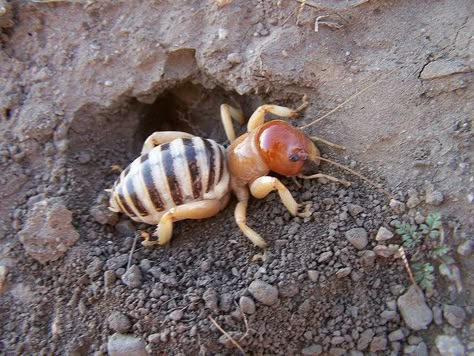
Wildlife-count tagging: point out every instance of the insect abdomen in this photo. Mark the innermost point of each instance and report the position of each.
(171, 174)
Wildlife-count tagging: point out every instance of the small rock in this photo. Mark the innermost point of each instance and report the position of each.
(368, 258)
(465, 249)
(343, 272)
(396, 335)
(454, 315)
(119, 322)
(247, 305)
(234, 58)
(357, 237)
(176, 315)
(413, 202)
(313, 275)
(383, 234)
(355, 210)
(116, 262)
(154, 338)
(386, 316)
(337, 351)
(337, 340)
(419, 218)
(449, 345)
(416, 314)
(125, 345)
(434, 198)
(125, 228)
(365, 339)
(325, 256)
(226, 300)
(421, 349)
(438, 315)
(288, 289)
(397, 206)
(48, 232)
(313, 350)
(210, 299)
(444, 67)
(379, 343)
(132, 277)
(264, 292)
(383, 251)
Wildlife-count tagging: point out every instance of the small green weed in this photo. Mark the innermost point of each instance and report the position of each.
(422, 243)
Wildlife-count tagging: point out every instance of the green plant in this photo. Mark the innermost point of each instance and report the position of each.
(423, 243)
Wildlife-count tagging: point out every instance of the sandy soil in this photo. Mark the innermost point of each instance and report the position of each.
(82, 84)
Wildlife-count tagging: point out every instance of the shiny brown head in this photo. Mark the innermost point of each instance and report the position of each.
(287, 150)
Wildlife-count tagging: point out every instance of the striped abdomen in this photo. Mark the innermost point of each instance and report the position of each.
(171, 174)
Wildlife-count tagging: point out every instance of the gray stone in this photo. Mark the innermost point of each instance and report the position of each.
(125, 228)
(132, 277)
(434, 198)
(337, 340)
(325, 256)
(438, 315)
(48, 232)
(396, 335)
(383, 234)
(383, 251)
(176, 315)
(365, 339)
(210, 299)
(103, 215)
(234, 58)
(397, 206)
(264, 292)
(444, 67)
(357, 237)
(378, 343)
(368, 258)
(355, 209)
(312, 350)
(125, 345)
(449, 345)
(416, 314)
(343, 272)
(454, 315)
(288, 289)
(247, 305)
(119, 322)
(337, 351)
(313, 275)
(413, 202)
(116, 262)
(387, 315)
(465, 249)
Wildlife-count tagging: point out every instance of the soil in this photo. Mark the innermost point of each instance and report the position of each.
(82, 84)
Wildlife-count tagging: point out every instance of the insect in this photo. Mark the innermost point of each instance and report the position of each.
(180, 176)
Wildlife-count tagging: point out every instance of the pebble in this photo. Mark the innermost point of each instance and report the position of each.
(119, 322)
(357, 237)
(337, 340)
(397, 206)
(465, 249)
(383, 234)
(116, 262)
(343, 272)
(416, 314)
(365, 339)
(103, 215)
(125, 228)
(437, 315)
(413, 202)
(444, 67)
(355, 209)
(383, 251)
(313, 275)
(210, 299)
(378, 343)
(396, 335)
(234, 58)
(454, 315)
(176, 315)
(434, 198)
(387, 315)
(124, 345)
(368, 258)
(325, 256)
(312, 350)
(154, 338)
(132, 277)
(449, 345)
(288, 289)
(247, 305)
(263, 292)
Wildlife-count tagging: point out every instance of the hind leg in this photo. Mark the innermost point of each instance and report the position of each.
(160, 137)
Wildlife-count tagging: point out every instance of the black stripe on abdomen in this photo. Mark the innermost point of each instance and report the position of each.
(212, 164)
(135, 199)
(191, 160)
(123, 202)
(173, 184)
(147, 175)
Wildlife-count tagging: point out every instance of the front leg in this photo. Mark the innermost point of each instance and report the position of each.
(262, 186)
(258, 117)
(227, 114)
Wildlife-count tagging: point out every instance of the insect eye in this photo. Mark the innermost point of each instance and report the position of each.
(294, 157)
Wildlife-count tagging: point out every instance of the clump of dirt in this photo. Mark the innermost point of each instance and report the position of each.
(83, 84)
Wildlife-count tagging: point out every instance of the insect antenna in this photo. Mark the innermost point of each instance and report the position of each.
(367, 180)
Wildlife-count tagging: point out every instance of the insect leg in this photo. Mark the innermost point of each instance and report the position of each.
(227, 114)
(262, 186)
(195, 210)
(345, 183)
(160, 137)
(258, 116)
(328, 143)
(240, 217)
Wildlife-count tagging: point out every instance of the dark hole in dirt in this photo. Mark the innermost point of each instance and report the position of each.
(190, 108)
